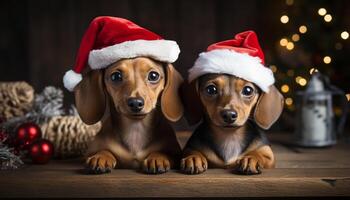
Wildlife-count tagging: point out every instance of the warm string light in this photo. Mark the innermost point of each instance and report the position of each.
(301, 81)
(289, 101)
(322, 11)
(302, 29)
(285, 88)
(295, 37)
(284, 19)
(344, 35)
(273, 68)
(283, 42)
(327, 59)
(328, 18)
(290, 46)
(289, 2)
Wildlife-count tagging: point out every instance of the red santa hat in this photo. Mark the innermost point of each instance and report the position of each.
(241, 57)
(109, 39)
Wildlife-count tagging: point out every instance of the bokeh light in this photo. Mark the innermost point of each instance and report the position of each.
(344, 35)
(289, 101)
(322, 11)
(283, 42)
(328, 18)
(303, 29)
(284, 19)
(327, 59)
(285, 88)
(295, 37)
(273, 68)
(290, 46)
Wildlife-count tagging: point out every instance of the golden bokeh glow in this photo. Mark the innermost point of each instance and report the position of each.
(289, 2)
(297, 79)
(285, 88)
(327, 59)
(344, 35)
(328, 18)
(302, 82)
(348, 96)
(322, 11)
(289, 101)
(303, 29)
(295, 37)
(273, 68)
(283, 42)
(284, 19)
(290, 46)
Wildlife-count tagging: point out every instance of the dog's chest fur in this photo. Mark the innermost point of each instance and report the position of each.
(136, 136)
(229, 148)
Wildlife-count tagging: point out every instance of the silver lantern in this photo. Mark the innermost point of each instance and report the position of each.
(315, 124)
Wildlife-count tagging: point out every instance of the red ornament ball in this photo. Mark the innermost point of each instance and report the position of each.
(41, 151)
(26, 133)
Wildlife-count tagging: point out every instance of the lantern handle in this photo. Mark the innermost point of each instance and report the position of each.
(344, 104)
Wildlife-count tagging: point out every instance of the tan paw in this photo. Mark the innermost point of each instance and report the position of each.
(248, 165)
(156, 164)
(194, 164)
(101, 162)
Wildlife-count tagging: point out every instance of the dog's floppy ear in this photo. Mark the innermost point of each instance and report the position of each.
(90, 97)
(192, 103)
(171, 104)
(268, 108)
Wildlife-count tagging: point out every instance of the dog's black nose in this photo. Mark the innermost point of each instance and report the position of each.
(229, 116)
(136, 104)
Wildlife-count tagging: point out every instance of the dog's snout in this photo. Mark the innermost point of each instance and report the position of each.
(136, 104)
(229, 116)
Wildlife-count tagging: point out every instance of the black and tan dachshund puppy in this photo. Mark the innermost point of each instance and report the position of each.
(228, 136)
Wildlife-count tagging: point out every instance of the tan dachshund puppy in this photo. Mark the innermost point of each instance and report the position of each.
(133, 98)
(228, 137)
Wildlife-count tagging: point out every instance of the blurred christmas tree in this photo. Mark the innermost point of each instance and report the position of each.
(314, 38)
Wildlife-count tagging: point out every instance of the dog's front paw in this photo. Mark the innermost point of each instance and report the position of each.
(156, 163)
(248, 165)
(194, 164)
(101, 162)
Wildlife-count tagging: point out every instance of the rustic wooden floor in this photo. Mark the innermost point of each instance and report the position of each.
(299, 172)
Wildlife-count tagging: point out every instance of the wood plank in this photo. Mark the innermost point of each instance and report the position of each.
(305, 172)
(64, 179)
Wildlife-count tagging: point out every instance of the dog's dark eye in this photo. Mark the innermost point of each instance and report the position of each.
(247, 91)
(211, 90)
(153, 76)
(117, 76)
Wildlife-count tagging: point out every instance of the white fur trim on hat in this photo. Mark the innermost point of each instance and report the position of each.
(224, 61)
(161, 50)
(71, 79)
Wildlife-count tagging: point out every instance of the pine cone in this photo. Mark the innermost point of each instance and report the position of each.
(16, 99)
(69, 135)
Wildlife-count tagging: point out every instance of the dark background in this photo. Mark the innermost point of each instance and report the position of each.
(39, 39)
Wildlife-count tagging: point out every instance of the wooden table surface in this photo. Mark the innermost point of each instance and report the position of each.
(299, 172)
